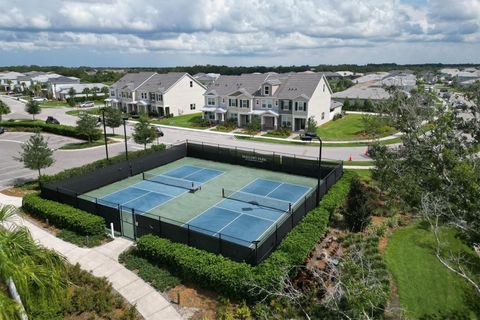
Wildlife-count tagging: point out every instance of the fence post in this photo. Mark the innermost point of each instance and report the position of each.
(276, 234)
(256, 251)
(188, 234)
(220, 243)
(160, 225)
(76, 199)
(134, 225)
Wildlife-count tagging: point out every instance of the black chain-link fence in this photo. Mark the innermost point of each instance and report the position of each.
(133, 223)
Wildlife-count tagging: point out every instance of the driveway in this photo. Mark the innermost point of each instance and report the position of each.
(12, 171)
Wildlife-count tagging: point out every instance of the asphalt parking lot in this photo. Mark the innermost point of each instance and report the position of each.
(11, 170)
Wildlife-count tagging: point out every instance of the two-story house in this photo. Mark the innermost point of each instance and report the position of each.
(165, 94)
(280, 100)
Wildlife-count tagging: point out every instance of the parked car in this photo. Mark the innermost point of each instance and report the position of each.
(87, 104)
(39, 99)
(52, 120)
(158, 131)
(2, 130)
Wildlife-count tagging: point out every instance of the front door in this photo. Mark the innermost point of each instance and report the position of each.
(299, 124)
(161, 112)
(167, 111)
(268, 123)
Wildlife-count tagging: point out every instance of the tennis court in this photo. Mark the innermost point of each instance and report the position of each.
(247, 214)
(157, 189)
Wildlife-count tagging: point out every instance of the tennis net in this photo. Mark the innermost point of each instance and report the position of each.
(253, 199)
(171, 181)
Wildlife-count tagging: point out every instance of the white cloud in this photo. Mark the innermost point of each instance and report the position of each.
(233, 28)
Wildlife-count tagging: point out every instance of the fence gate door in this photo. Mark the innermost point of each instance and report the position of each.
(127, 221)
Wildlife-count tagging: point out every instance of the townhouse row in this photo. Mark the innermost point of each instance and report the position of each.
(279, 100)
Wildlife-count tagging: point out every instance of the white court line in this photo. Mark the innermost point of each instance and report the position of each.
(281, 184)
(293, 184)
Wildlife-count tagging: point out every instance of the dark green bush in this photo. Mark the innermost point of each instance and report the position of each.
(234, 279)
(63, 216)
(31, 125)
(68, 173)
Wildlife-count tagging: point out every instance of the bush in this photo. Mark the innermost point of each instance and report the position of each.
(358, 212)
(63, 216)
(280, 132)
(68, 173)
(234, 279)
(33, 125)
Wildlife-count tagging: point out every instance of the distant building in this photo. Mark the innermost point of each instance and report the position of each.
(61, 91)
(206, 78)
(172, 93)
(362, 94)
(279, 100)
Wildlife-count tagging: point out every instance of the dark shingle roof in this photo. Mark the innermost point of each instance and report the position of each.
(132, 80)
(161, 82)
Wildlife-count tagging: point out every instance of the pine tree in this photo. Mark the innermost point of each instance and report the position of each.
(357, 212)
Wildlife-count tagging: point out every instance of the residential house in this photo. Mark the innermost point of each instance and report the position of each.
(280, 100)
(206, 78)
(61, 91)
(362, 94)
(165, 94)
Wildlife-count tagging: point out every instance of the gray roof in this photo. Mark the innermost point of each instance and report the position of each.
(373, 93)
(161, 82)
(291, 85)
(225, 85)
(63, 79)
(132, 81)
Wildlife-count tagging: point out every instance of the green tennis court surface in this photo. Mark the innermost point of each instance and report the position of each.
(190, 192)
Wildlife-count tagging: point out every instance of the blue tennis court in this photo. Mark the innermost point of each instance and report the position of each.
(248, 213)
(156, 190)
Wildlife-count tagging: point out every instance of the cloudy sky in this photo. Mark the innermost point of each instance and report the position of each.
(238, 32)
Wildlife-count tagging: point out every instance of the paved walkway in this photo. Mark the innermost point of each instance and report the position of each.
(102, 261)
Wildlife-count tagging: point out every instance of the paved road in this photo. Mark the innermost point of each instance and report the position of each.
(12, 171)
(177, 134)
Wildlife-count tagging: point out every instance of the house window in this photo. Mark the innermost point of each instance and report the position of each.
(112, 93)
(210, 101)
(234, 117)
(244, 103)
(266, 90)
(264, 105)
(232, 102)
(286, 121)
(323, 115)
(302, 106)
(324, 88)
(191, 84)
(192, 106)
(287, 105)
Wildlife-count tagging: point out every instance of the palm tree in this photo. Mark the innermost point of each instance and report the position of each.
(30, 275)
(4, 109)
(86, 91)
(71, 96)
(105, 90)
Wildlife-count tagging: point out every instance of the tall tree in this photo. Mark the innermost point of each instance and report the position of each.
(143, 132)
(357, 212)
(436, 170)
(86, 92)
(33, 107)
(113, 118)
(34, 272)
(36, 154)
(105, 90)
(71, 97)
(4, 109)
(346, 104)
(88, 126)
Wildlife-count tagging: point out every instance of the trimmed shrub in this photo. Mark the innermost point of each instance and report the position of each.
(63, 216)
(32, 125)
(68, 173)
(234, 279)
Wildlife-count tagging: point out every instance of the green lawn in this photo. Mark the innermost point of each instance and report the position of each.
(193, 120)
(350, 127)
(365, 174)
(425, 286)
(325, 145)
(53, 104)
(76, 112)
(84, 145)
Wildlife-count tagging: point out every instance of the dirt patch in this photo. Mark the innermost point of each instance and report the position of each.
(195, 303)
(16, 192)
(393, 310)
(382, 244)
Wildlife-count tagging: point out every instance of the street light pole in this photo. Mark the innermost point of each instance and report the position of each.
(125, 135)
(104, 132)
(319, 178)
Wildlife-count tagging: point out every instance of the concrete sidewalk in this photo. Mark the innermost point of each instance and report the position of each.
(102, 261)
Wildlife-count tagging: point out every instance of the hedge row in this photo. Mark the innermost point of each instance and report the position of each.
(234, 279)
(63, 216)
(68, 173)
(30, 125)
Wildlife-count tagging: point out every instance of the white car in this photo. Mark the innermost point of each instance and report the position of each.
(39, 99)
(87, 104)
